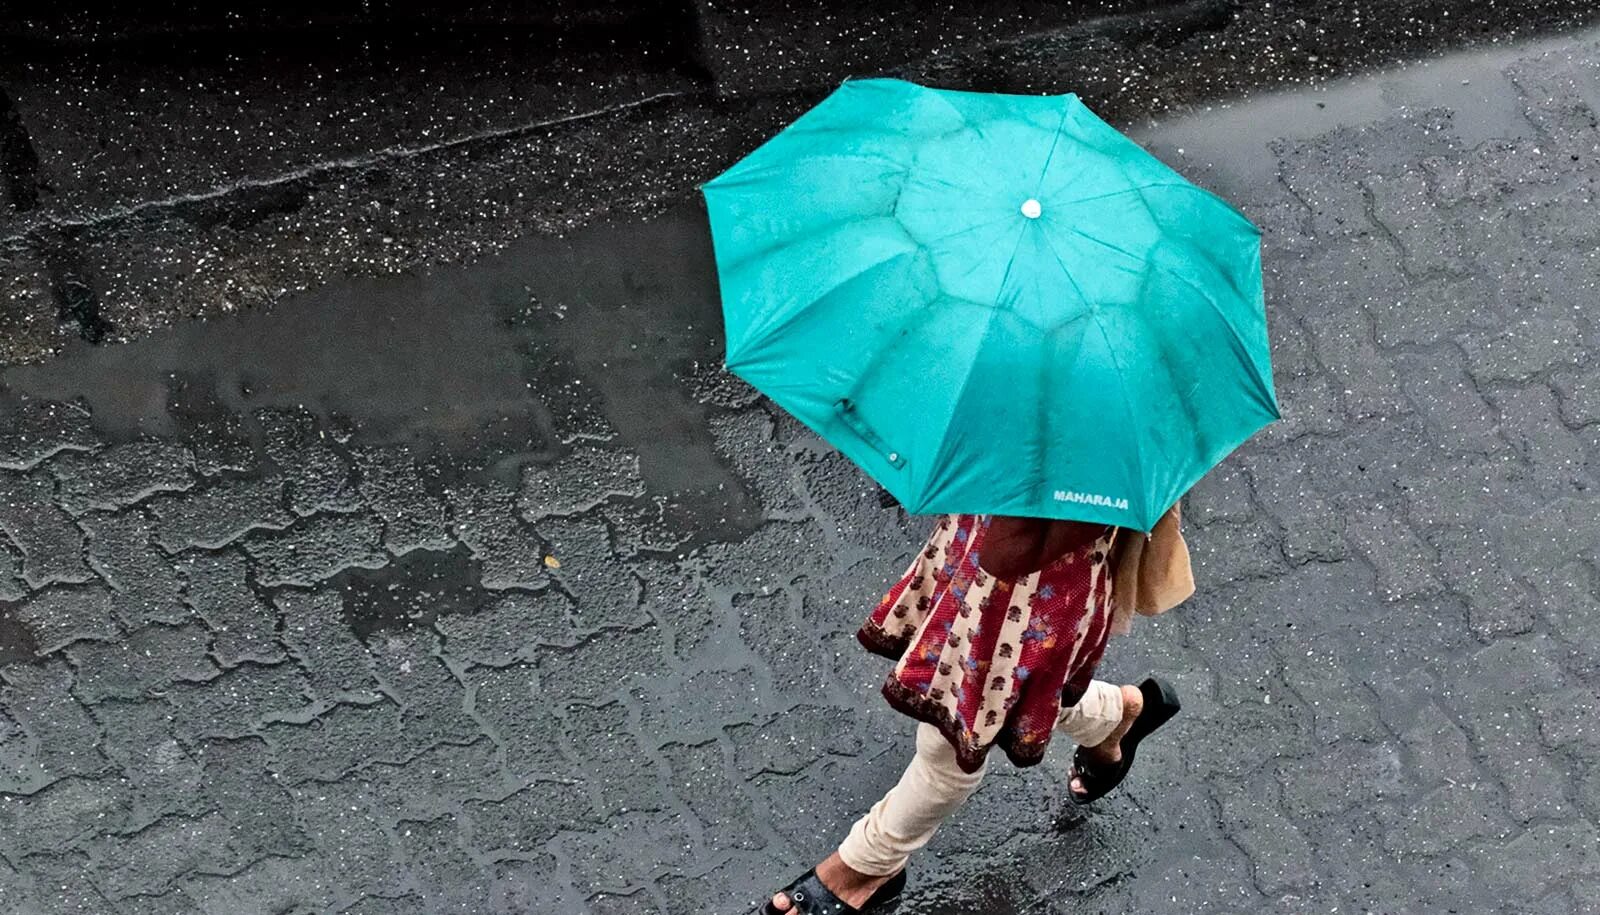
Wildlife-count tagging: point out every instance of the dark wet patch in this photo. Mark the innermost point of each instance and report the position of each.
(77, 301)
(1234, 146)
(220, 438)
(17, 644)
(19, 162)
(249, 205)
(628, 313)
(410, 592)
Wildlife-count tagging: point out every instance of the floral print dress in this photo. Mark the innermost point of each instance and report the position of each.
(986, 660)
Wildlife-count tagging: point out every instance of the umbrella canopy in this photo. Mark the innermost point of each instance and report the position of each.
(993, 303)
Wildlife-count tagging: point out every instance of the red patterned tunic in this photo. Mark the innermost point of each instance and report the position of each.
(985, 660)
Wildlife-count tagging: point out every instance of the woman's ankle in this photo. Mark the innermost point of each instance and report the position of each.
(1132, 706)
(849, 884)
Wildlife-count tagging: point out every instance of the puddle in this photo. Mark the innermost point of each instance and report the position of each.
(499, 363)
(1226, 144)
(16, 641)
(410, 592)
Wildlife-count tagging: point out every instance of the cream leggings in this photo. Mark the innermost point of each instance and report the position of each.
(933, 786)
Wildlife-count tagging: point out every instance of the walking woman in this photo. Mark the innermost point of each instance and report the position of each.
(996, 630)
(1009, 314)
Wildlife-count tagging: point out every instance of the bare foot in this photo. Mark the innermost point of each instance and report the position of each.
(1109, 751)
(852, 887)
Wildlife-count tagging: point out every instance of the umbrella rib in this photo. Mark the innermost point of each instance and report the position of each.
(769, 250)
(972, 228)
(1236, 340)
(1065, 271)
(1055, 141)
(724, 182)
(1127, 407)
(1131, 190)
(769, 326)
(1102, 242)
(1044, 172)
(941, 454)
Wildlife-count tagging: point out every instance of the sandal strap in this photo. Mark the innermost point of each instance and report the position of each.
(807, 896)
(1085, 770)
(810, 897)
(1095, 777)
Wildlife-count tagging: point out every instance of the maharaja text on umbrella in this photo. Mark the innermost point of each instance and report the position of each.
(1090, 498)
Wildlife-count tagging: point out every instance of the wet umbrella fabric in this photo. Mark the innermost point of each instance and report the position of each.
(993, 303)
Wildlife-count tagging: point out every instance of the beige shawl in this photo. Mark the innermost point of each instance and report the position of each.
(1152, 573)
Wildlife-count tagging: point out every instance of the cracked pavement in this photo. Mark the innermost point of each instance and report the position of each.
(536, 610)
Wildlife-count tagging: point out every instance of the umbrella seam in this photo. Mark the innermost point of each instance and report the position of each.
(1040, 474)
(1067, 272)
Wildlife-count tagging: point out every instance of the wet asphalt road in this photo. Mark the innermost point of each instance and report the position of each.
(477, 587)
(180, 161)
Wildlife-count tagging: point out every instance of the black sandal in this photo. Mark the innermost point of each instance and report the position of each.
(1160, 704)
(807, 896)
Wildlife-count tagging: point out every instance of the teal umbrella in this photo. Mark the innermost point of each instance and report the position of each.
(993, 303)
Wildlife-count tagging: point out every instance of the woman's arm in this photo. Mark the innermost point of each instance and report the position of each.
(1015, 547)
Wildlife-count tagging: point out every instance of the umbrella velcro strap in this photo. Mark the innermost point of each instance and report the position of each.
(846, 410)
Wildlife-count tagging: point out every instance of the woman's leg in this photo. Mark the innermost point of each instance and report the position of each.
(932, 788)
